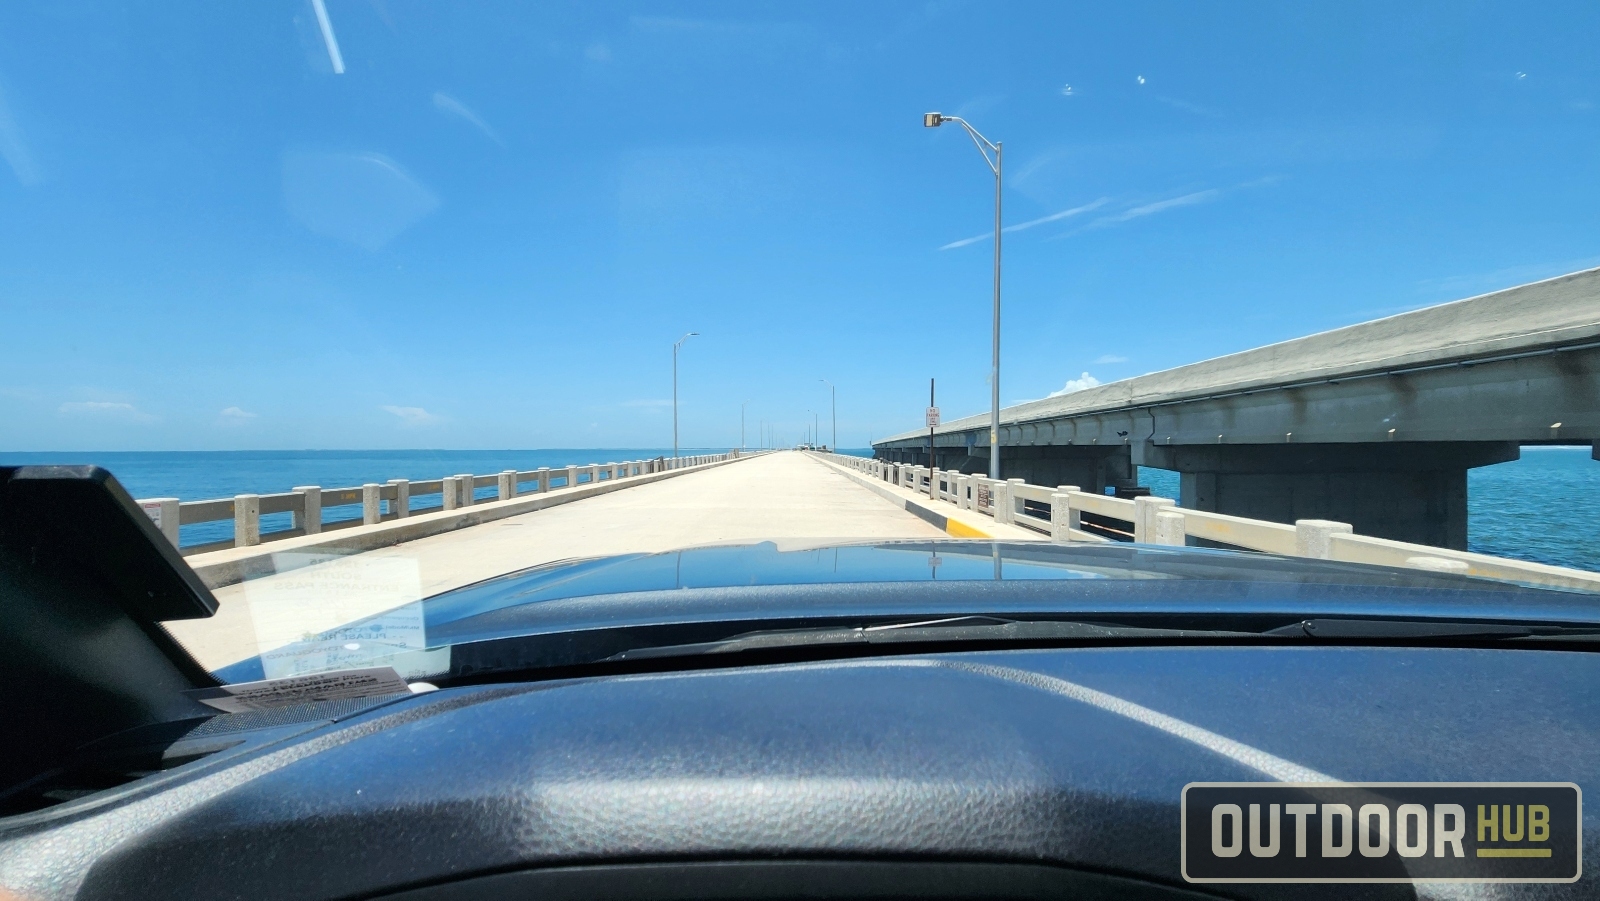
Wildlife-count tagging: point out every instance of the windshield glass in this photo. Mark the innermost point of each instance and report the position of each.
(371, 302)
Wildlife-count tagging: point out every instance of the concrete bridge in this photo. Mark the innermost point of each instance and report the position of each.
(1374, 424)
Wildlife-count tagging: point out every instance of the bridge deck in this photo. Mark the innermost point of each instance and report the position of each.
(787, 497)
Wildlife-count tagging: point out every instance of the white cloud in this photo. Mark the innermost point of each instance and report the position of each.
(1078, 384)
(236, 414)
(447, 104)
(1109, 358)
(1171, 203)
(1021, 226)
(1159, 206)
(106, 410)
(410, 415)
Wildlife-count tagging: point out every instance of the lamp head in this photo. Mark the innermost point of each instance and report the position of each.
(932, 120)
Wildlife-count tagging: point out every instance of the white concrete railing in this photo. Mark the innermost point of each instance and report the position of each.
(384, 502)
(1058, 512)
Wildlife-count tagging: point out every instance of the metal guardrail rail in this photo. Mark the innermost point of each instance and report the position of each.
(384, 502)
(1058, 512)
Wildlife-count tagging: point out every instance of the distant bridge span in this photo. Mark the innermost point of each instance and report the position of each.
(1373, 424)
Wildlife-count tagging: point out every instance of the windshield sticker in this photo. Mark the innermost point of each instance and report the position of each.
(1382, 832)
(271, 693)
(324, 612)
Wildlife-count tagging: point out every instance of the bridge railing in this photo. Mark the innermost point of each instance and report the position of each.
(1066, 513)
(392, 500)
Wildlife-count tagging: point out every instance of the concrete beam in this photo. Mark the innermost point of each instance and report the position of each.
(1546, 334)
(1405, 491)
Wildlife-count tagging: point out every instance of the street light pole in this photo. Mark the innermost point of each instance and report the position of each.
(985, 146)
(677, 344)
(833, 401)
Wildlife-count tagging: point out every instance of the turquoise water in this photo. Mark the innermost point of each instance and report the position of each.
(1538, 508)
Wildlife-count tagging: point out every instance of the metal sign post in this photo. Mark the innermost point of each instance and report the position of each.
(933, 420)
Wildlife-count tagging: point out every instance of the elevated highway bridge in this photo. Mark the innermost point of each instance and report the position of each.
(1373, 424)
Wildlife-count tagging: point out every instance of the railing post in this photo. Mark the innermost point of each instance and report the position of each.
(1062, 520)
(1144, 517)
(964, 492)
(572, 476)
(1001, 493)
(1012, 501)
(594, 473)
(1314, 537)
(544, 480)
(450, 492)
(165, 513)
(246, 520)
(464, 486)
(1169, 528)
(371, 504)
(507, 484)
(402, 498)
(308, 518)
(933, 483)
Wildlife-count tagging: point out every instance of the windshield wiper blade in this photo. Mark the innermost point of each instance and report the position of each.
(948, 629)
(999, 629)
(1335, 629)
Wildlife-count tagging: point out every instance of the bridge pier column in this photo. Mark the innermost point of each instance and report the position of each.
(1405, 491)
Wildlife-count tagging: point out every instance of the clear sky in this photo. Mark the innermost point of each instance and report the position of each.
(488, 230)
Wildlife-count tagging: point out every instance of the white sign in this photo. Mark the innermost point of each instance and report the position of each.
(325, 612)
(361, 683)
(152, 509)
(933, 417)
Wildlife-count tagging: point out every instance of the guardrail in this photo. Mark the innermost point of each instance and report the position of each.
(1058, 512)
(391, 500)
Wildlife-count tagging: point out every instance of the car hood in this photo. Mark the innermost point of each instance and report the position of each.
(765, 586)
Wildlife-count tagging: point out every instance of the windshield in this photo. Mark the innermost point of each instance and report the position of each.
(381, 308)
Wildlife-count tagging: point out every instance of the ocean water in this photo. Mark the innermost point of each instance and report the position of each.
(199, 475)
(1537, 508)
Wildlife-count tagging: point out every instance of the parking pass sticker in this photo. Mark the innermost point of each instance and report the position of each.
(1382, 832)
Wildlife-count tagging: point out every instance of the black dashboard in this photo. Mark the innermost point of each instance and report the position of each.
(1042, 773)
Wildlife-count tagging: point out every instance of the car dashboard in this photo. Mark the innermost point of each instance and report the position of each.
(1018, 774)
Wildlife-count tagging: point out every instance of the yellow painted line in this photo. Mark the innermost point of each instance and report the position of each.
(1513, 852)
(962, 530)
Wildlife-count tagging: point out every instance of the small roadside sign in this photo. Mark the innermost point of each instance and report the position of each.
(933, 417)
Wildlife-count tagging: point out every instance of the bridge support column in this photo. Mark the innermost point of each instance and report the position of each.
(1406, 491)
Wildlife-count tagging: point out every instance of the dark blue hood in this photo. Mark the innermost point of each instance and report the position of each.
(767, 587)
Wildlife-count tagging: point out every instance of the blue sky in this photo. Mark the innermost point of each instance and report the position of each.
(488, 230)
